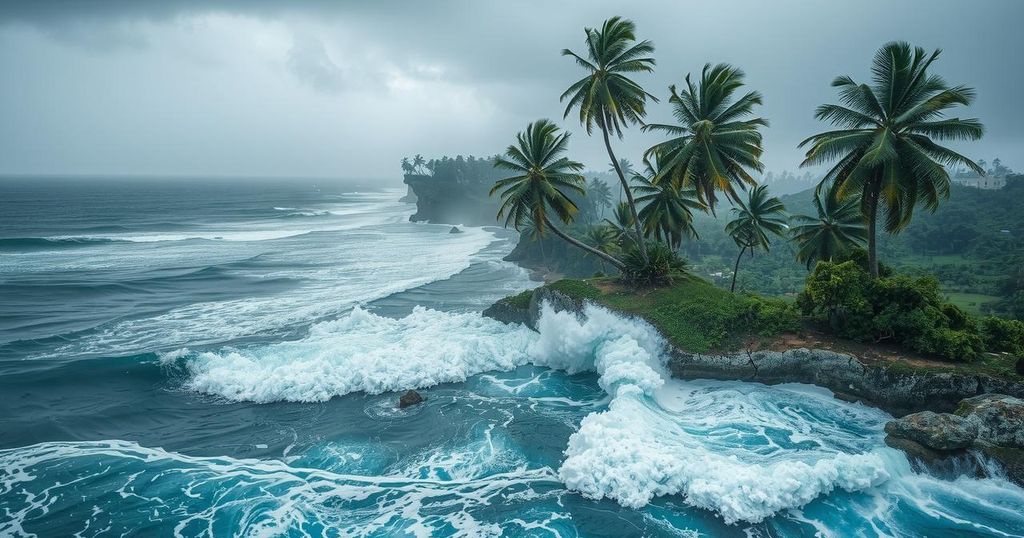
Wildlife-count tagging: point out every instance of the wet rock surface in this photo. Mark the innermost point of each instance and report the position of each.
(990, 424)
(410, 398)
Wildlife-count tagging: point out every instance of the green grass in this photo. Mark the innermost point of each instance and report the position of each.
(970, 302)
(692, 313)
(520, 300)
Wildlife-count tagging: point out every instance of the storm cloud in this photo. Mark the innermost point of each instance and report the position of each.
(347, 88)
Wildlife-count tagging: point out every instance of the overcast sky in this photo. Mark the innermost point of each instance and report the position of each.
(345, 89)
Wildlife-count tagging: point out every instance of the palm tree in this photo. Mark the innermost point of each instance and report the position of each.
(406, 167)
(759, 216)
(838, 228)
(715, 143)
(606, 97)
(418, 162)
(543, 176)
(600, 194)
(667, 208)
(623, 221)
(885, 141)
(603, 238)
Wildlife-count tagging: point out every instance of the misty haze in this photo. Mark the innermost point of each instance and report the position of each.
(463, 268)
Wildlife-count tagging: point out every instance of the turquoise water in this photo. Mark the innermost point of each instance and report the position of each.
(219, 359)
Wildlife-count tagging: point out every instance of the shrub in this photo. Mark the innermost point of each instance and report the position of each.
(907, 310)
(661, 264)
(1003, 334)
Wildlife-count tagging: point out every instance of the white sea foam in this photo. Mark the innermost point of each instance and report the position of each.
(744, 451)
(637, 450)
(131, 485)
(366, 353)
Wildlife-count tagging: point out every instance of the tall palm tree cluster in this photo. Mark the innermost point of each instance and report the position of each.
(884, 152)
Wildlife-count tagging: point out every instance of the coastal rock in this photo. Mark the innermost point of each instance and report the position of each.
(898, 391)
(557, 300)
(409, 398)
(991, 425)
(938, 431)
(506, 312)
(455, 230)
(998, 419)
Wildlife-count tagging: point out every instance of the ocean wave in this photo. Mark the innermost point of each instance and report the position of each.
(739, 455)
(49, 243)
(362, 352)
(134, 489)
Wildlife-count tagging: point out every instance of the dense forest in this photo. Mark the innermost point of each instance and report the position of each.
(974, 245)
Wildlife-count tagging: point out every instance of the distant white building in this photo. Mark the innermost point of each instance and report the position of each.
(988, 181)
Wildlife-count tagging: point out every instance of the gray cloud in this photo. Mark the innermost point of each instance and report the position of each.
(346, 88)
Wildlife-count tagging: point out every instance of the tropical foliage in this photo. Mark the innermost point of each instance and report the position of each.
(884, 147)
(543, 176)
(755, 219)
(837, 229)
(666, 207)
(606, 97)
(716, 144)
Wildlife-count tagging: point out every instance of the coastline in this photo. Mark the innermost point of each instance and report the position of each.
(886, 384)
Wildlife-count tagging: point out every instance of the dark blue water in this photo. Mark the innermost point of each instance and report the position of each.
(184, 357)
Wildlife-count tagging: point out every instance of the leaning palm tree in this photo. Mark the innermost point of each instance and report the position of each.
(838, 228)
(666, 208)
(418, 162)
(716, 144)
(885, 141)
(543, 177)
(406, 166)
(600, 194)
(756, 218)
(607, 98)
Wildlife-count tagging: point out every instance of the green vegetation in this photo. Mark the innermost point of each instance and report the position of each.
(904, 309)
(693, 314)
(759, 216)
(542, 177)
(715, 145)
(885, 142)
(837, 229)
(606, 97)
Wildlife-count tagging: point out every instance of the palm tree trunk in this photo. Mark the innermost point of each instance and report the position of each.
(581, 245)
(872, 226)
(736, 269)
(629, 194)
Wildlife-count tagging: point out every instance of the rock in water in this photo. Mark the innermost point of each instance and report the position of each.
(999, 419)
(455, 230)
(938, 431)
(409, 398)
(991, 423)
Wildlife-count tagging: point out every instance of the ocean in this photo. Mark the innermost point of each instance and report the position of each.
(185, 357)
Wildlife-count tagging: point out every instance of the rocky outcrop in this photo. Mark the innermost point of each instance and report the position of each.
(410, 398)
(990, 424)
(898, 390)
(439, 200)
(938, 431)
(507, 312)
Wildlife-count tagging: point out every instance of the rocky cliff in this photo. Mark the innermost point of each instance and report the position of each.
(441, 200)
